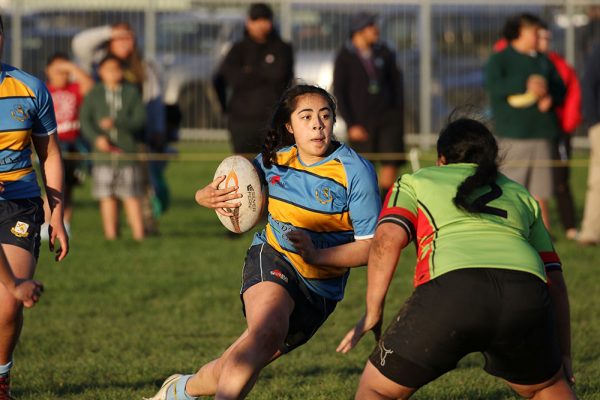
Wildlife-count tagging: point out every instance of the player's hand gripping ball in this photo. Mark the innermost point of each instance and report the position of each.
(240, 172)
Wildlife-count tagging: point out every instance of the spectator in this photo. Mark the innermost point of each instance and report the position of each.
(92, 45)
(569, 117)
(113, 118)
(256, 71)
(590, 226)
(369, 89)
(68, 84)
(524, 88)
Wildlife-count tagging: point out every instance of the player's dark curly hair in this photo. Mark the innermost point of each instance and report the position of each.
(277, 134)
(466, 140)
(512, 27)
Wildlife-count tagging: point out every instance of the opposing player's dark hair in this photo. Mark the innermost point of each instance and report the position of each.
(512, 27)
(277, 134)
(466, 140)
(1, 25)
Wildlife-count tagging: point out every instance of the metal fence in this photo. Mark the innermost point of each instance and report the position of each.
(441, 45)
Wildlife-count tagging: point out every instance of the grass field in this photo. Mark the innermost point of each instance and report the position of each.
(117, 318)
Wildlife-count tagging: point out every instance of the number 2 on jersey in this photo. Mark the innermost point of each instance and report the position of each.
(481, 203)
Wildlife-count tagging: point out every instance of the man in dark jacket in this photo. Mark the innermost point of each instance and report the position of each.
(256, 71)
(368, 86)
(590, 226)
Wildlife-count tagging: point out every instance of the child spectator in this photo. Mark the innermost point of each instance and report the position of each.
(68, 84)
(113, 117)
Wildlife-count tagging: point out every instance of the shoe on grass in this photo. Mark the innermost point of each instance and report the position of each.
(162, 393)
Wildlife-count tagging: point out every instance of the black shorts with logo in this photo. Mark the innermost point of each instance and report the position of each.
(20, 223)
(506, 315)
(264, 263)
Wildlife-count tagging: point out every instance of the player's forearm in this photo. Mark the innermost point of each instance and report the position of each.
(349, 255)
(52, 171)
(383, 259)
(560, 302)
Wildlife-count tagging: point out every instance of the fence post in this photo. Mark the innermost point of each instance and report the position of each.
(570, 33)
(425, 38)
(16, 34)
(286, 19)
(150, 30)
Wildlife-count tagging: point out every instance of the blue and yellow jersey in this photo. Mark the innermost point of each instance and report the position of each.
(508, 233)
(26, 109)
(336, 201)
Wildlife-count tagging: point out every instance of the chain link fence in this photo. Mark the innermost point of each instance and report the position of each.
(441, 45)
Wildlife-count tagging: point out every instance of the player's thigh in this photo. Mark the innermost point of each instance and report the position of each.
(268, 307)
(374, 385)
(22, 263)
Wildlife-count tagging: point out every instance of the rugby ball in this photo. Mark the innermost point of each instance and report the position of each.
(240, 172)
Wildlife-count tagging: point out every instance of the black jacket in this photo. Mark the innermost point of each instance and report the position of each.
(357, 105)
(590, 87)
(255, 75)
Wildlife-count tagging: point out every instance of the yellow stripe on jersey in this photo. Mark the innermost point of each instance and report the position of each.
(12, 87)
(15, 175)
(15, 140)
(332, 169)
(309, 271)
(312, 220)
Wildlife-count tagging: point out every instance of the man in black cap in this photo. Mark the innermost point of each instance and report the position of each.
(257, 70)
(368, 86)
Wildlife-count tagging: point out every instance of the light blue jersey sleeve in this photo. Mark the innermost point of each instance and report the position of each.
(44, 121)
(364, 202)
(258, 165)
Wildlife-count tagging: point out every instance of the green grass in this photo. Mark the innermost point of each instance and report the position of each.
(117, 318)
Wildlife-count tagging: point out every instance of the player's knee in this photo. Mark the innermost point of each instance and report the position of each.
(531, 391)
(269, 337)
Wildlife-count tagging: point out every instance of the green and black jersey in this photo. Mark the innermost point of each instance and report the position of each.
(508, 233)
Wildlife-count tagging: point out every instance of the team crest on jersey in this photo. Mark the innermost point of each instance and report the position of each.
(324, 195)
(20, 229)
(19, 113)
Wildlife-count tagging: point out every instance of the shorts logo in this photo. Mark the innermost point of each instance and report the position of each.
(323, 195)
(277, 273)
(20, 229)
(384, 353)
(19, 113)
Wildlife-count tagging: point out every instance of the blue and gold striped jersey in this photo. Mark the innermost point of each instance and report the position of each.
(26, 109)
(336, 201)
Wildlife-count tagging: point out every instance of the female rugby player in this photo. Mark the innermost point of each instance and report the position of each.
(323, 204)
(487, 278)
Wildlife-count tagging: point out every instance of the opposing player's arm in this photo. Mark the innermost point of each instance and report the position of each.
(395, 229)
(539, 238)
(385, 251)
(560, 302)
